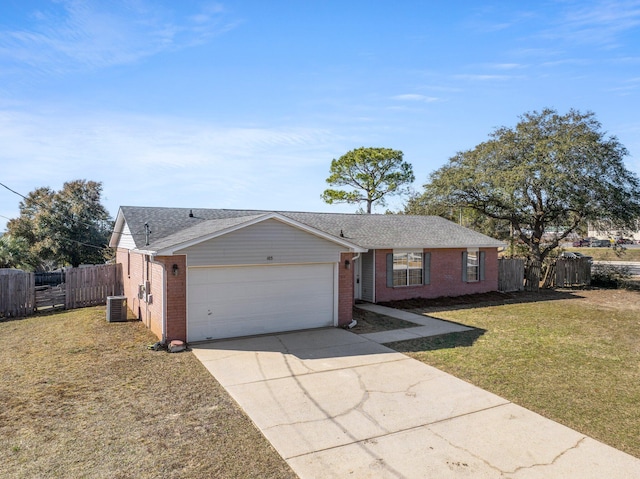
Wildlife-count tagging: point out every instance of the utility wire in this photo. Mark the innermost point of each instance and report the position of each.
(42, 206)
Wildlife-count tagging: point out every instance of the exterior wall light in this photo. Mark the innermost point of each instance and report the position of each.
(347, 264)
(175, 269)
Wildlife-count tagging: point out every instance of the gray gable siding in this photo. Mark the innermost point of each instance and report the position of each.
(367, 277)
(257, 243)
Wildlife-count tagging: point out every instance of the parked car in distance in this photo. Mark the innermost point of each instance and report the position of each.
(575, 255)
(581, 242)
(624, 241)
(601, 244)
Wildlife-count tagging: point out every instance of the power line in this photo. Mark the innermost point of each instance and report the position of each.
(13, 191)
(43, 206)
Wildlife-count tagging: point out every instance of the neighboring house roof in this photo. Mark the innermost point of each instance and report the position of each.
(173, 228)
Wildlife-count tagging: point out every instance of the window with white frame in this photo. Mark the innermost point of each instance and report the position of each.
(473, 266)
(407, 269)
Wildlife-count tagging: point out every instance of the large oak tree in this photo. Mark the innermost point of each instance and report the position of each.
(549, 171)
(67, 227)
(371, 174)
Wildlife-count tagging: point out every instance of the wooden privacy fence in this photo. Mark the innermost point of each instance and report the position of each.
(565, 273)
(17, 293)
(85, 286)
(510, 274)
(89, 286)
(517, 274)
(532, 274)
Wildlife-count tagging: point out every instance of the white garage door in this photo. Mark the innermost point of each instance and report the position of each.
(242, 301)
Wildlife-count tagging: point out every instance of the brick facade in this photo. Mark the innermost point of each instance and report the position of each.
(345, 289)
(139, 269)
(176, 298)
(446, 276)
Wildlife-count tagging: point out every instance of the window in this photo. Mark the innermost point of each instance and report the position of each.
(473, 265)
(407, 269)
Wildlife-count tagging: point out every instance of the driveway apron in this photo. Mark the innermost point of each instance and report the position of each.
(336, 405)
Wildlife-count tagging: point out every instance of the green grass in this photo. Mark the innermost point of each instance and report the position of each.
(609, 254)
(576, 361)
(83, 398)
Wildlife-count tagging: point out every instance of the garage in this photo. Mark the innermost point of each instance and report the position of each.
(225, 302)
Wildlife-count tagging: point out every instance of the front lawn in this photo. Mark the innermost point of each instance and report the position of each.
(573, 357)
(83, 398)
(609, 254)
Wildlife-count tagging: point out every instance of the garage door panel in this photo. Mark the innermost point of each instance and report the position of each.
(240, 301)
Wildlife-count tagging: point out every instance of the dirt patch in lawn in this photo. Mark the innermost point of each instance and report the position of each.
(609, 298)
(370, 322)
(615, 299)
(83, 398)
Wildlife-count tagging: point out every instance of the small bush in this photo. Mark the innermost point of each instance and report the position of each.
(610, 276)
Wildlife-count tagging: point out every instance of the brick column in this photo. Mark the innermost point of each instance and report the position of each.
(345, 290)
(175, 302)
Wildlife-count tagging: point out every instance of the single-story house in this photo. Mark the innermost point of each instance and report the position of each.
(200, 274)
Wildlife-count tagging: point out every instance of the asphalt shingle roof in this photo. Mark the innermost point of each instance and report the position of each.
(172, 226)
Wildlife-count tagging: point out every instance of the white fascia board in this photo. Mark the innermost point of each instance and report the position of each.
(416, 248)
(117, 229)
(146, 252)
(172, 249)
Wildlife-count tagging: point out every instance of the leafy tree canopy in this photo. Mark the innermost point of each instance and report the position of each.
(550, 171)
(14, 253)
(372, 173)
(68, 227)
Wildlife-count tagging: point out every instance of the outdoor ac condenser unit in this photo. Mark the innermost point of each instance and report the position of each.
(116, 308)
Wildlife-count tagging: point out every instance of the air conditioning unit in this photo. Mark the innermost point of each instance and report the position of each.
(116, 308)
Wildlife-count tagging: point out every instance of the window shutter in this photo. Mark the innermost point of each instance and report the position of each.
(389, 270)
(481, 265)
(464, 266)
(426, 268)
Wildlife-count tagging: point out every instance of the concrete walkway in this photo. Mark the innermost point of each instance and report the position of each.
(335, 404)
(428, 326)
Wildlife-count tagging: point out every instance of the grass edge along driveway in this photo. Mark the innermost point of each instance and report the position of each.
(83, 398)
(573, 360)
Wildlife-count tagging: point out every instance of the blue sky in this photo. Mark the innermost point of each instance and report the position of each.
(243, 104)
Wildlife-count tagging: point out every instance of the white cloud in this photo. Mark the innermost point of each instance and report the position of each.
(90, 34)
(416, 97)
(598, 22)
(483, 77)
(506, 66)
(165, 161)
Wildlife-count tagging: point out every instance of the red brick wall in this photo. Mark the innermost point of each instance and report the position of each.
(137, 269)
(133, 274)
(176, 299)
(446, 276)
(345, 290)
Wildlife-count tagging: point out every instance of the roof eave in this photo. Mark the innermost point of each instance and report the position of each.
(171, 250)
(117, 229)
(428, 246)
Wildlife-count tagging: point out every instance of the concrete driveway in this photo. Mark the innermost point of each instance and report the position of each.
(336, 405)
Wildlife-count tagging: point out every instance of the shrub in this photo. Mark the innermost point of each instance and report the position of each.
(609, 275)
